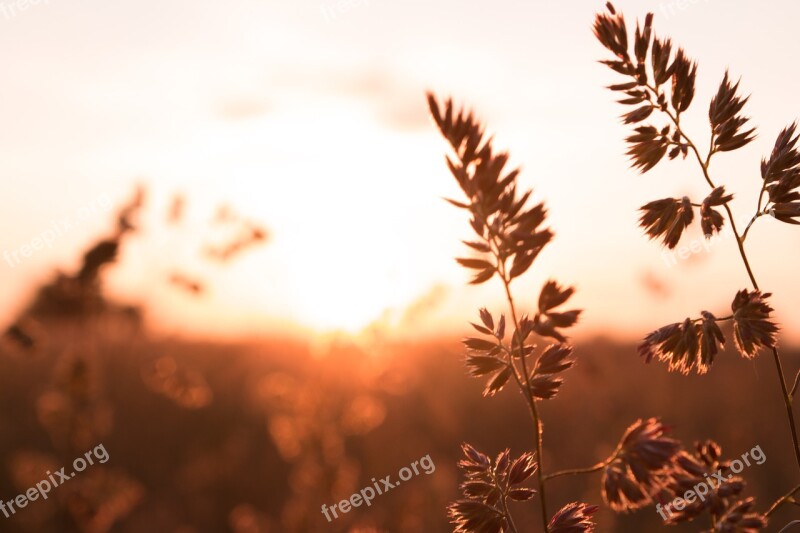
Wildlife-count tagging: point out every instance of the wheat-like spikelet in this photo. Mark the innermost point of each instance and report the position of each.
(661, 84)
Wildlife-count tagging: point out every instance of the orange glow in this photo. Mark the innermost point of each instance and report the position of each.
(329, 146)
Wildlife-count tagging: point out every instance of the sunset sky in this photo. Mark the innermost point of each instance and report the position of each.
(311, 119)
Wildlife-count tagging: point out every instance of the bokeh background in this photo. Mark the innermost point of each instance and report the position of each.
(250, 297)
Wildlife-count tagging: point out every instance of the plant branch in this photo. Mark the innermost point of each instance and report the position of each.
(788, 526)
(758, 207)
(750, 225)
(511, 523)
(523, 386)
(760, 213)
(796, 383)
(704, 164)
(526, 390)
(783, 499)
(504, 503)
(577, 471)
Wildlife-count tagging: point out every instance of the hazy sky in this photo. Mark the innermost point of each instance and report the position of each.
(311, 119)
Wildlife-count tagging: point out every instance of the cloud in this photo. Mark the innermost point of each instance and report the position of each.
(395, 102)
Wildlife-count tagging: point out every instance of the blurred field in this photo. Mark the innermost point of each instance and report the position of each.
(255, 437)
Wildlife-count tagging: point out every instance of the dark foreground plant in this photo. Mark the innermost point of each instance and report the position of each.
(646, 464)
(660, 86)
(510, 237)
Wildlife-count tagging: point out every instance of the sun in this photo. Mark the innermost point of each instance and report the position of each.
(339, 284)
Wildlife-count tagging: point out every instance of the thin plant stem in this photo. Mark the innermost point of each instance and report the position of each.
(760, 199)
(789, 526)
(524, 386)
(524, 382)
(587, 470)
(504, 504)
(526, 390)
(750, 224)
(796, 383)
(783, 499)
(534, 411)
(577, 471)
(511, 523)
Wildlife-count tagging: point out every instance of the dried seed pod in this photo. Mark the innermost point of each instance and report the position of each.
(752, 327)
(726, 123)
(647, 148)
(667, 219)
(686, 346)
(573, 518)
(740, 519)
(683, 81)
(645, 455)
(487, 482)
(781, 173)
(712, 220)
